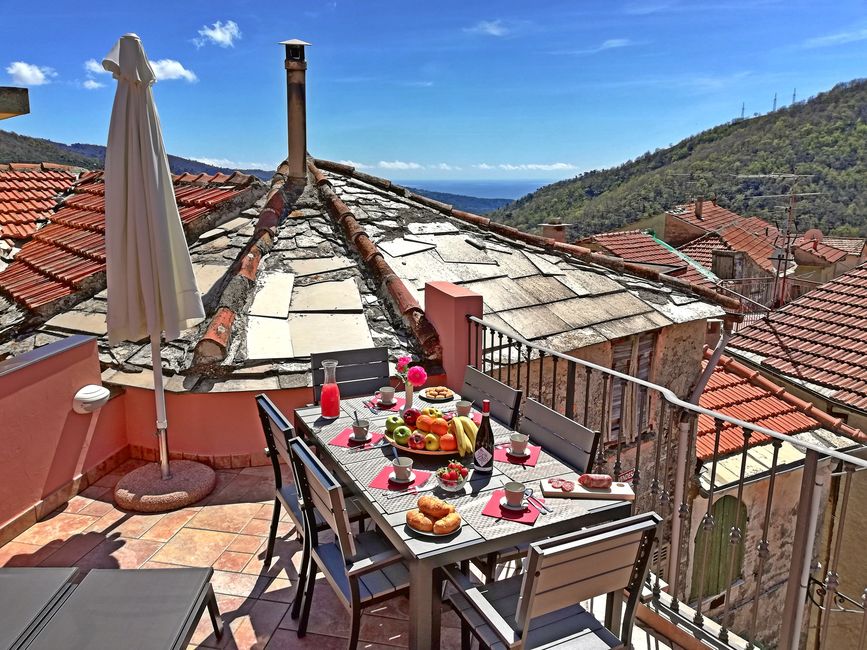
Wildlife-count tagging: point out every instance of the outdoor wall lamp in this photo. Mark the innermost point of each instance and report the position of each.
(90, 398)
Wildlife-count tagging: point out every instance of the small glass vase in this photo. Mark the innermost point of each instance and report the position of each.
(408, 388)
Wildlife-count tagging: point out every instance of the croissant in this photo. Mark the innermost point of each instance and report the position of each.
(434, 507)
(447, 524)
(415, 519)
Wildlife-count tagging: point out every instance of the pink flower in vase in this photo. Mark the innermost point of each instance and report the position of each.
(416, 376)
(402, 363)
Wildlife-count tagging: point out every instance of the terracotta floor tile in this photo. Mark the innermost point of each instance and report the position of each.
(119, 553)
(22, 555)
(231, 608)
(246, 489)
(158, 565)
(280, 590)
(193, 547)
(265, 512)
(55, 529)
(287, 640)
(127, 524)
(97, 508)
(171, 523)
(238, 584)
(262, 526)
(76, 504)
(286, 560)
(74, 549)
(109, 480)
(97, 492)
(229, 518)
(232, 561)
(246, 543)
(256, 629)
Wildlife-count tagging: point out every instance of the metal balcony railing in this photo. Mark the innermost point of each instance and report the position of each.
(735, 576)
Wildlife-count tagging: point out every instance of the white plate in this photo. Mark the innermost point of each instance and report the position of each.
(511, 453)
(505, 504)
(362, 440)
(394, 479)
(433, 534)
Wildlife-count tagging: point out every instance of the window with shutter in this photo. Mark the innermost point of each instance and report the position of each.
(632, 356)
(727, 513)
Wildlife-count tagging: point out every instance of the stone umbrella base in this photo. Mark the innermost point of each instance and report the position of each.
(144, 490)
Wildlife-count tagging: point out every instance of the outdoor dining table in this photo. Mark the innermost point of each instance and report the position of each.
(479, 535)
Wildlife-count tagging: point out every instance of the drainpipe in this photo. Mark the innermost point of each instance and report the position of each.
(296, 109)
(711, 364)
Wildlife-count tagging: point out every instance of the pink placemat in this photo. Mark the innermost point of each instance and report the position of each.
(381, 481)
(343, 439)
(501, 454)
(494, 509)
(398, 404)
(474, 415)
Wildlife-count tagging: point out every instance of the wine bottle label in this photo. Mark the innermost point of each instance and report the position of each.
(482, 456)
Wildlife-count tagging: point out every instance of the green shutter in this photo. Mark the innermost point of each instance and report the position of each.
(727, 512)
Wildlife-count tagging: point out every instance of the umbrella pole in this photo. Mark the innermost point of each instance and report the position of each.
(160, 397)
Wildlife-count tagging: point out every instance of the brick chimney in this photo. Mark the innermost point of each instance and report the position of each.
(699, 204)
(296, 109)
(554, 230)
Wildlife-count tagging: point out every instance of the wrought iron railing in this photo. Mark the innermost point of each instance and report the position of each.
(748, 586)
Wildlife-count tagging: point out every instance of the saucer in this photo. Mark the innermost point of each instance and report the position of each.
(509, 452)
(383, 405)
(505, 504)
(394, 479)
(360, 441)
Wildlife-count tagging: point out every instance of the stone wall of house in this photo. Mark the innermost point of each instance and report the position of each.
(781, 532)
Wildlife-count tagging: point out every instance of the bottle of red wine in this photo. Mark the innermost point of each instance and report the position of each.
(483, 455)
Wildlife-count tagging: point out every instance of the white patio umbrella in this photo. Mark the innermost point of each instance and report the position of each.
(151, 286)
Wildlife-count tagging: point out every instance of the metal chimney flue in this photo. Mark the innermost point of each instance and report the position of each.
(296, 109)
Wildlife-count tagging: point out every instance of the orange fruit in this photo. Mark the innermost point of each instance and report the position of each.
(448, 442)
(439, 426)
(424, 423)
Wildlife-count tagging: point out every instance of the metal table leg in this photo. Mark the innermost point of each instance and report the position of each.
(424, 605)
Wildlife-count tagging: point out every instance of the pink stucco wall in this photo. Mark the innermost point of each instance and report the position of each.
(446, 307)
(45, 444)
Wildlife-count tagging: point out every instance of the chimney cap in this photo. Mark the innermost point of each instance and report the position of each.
(294, 41)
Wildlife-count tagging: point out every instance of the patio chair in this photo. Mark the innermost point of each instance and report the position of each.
(364, 569)
(540, 608)
(359, 372)
(505, 400)
(566, 439)
(278, 432)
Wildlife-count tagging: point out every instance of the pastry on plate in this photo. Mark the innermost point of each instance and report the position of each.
(419, 521)
(447, 524)
(434, 507)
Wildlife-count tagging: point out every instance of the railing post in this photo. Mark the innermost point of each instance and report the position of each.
(802, 554)
(679, 492)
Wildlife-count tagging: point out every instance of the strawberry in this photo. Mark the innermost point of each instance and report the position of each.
(464, 471)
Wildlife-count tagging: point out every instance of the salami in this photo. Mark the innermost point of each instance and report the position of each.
(567, 486)
(556, 483)
(597, 481)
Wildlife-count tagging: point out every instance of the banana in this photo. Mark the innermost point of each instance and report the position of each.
(470, 429)
(465, 445)
(459, 435)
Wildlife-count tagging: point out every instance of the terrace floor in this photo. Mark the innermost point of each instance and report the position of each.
(226, 531)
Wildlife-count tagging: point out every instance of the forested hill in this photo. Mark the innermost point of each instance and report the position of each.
(824, 137)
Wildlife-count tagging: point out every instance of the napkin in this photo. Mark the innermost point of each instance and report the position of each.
(381, 481)
(373, 402)
(494, 509)
(344, 439)
(501, 454)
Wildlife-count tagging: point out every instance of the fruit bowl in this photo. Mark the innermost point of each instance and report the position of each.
(453, 477)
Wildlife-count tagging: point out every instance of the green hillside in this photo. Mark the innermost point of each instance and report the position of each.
(24, 149)
(825, 137)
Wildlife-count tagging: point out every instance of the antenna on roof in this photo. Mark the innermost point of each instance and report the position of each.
(775, 103)
(794, 95)
(743, 106)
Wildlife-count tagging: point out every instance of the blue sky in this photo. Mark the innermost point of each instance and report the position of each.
(434, 90)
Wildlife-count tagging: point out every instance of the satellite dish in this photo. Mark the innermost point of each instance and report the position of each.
(814, 234)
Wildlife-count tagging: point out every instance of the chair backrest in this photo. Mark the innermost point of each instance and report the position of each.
(278, 431)
(565, 570)
(359, 372)
(504, 399)
(571, 442)
(320, 491)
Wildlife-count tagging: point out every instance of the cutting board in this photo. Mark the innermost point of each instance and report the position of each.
(616, 491)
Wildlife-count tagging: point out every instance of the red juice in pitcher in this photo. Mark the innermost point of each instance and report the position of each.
(329, 399)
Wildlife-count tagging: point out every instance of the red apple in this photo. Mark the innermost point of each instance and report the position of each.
(410, 416)
(416, 441)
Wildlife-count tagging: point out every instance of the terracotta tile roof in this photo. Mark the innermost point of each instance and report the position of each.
(820, 249)
(818, 341)
(28, 195)
(716, 217)
(733, 238)
(739, 392)
(69, 253)
(852, 245)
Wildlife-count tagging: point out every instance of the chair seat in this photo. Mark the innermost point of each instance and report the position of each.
(289, 499)
(372, 585)
(572, 627)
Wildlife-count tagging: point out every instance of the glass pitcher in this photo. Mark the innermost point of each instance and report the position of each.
(329, 399)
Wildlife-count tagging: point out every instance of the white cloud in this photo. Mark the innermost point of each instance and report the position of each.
(353, 163)
(220, 33)
(418, 84)
(485, 166)
(488, 28)
(233, 164)
(93, 66)
(444, 167)
(528, 167)
(92, 84)
(610, 44)
(28, 74)
(398, 164)
(839, 38)
(166, 69)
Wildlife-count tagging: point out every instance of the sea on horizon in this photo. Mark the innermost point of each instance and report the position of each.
(486, 189)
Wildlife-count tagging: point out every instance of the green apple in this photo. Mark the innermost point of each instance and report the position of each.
(401, 435)
(392, 422)
(432, 412)
(432, 442)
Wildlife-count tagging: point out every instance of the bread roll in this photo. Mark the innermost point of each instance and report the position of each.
(417, 520)
(447, 524)
(434, 507)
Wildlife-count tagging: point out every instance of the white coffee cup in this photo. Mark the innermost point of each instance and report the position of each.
(518, 443)
(464, 407)
(385, 395)
(402, 468)
(360, 430)
(514, 493)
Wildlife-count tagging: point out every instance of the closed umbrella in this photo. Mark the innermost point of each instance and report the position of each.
(151, 286)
